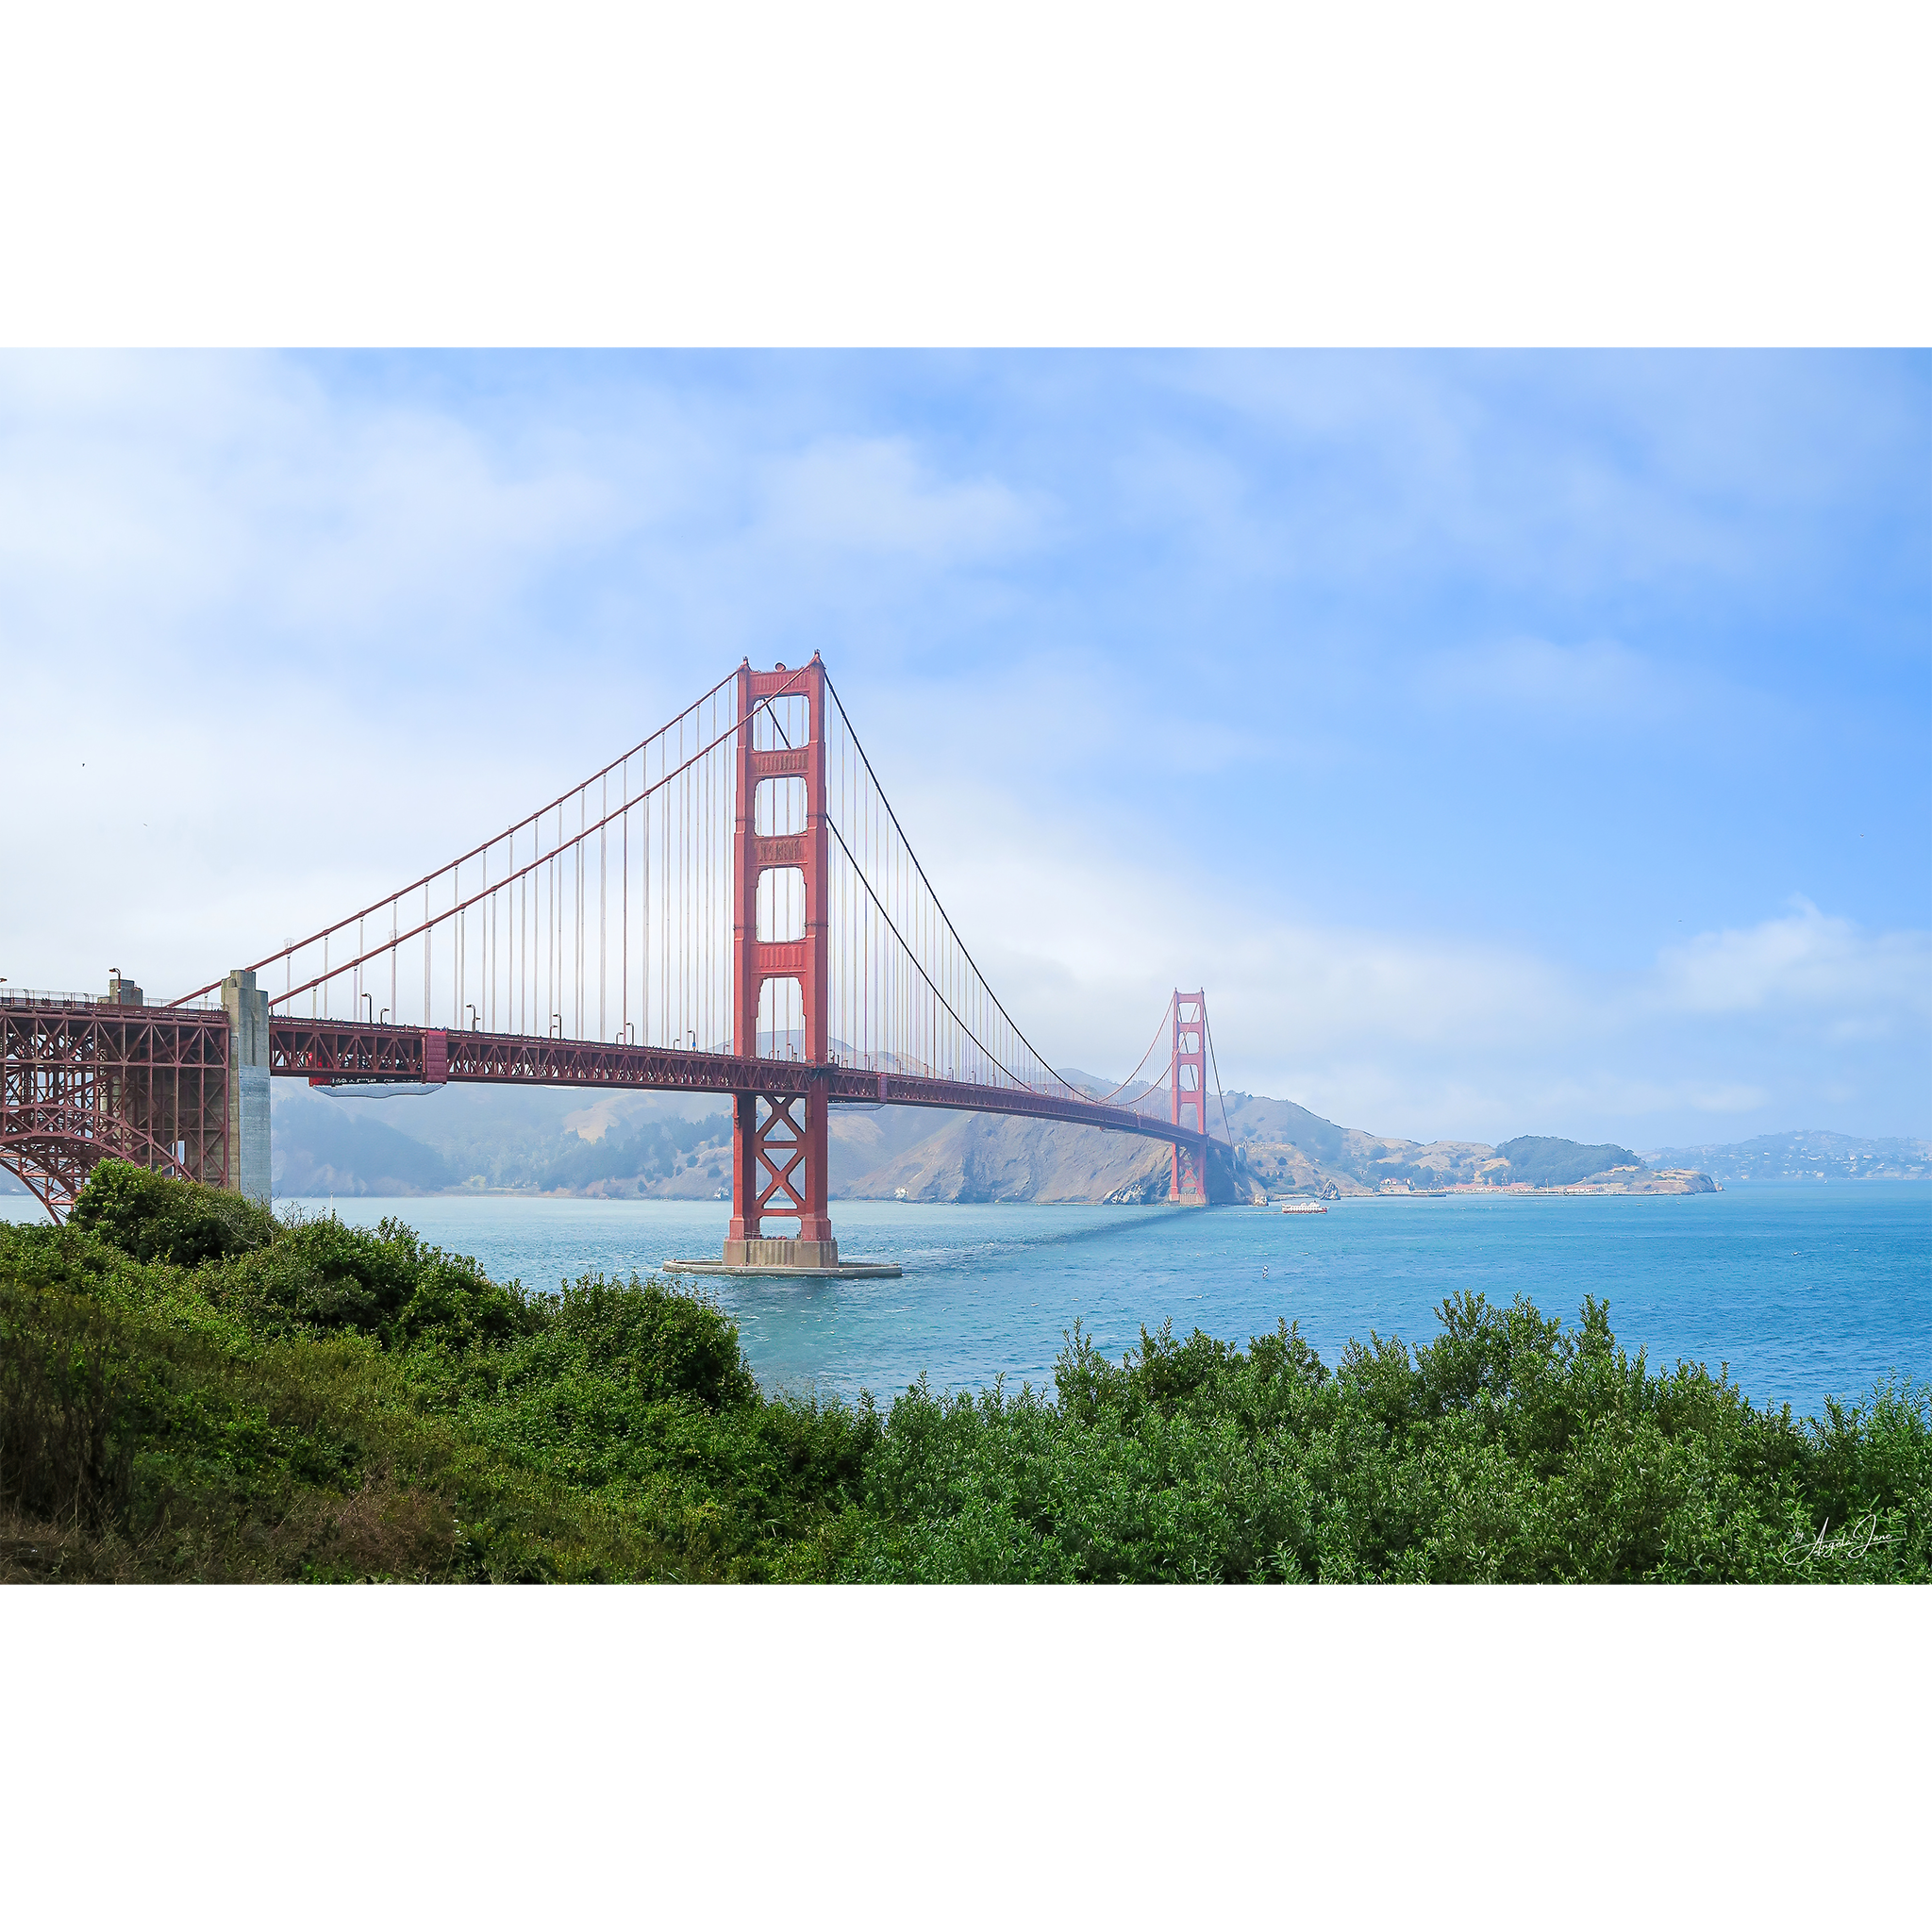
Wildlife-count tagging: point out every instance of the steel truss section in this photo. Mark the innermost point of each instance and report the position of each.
(778, 1147)
(85, 1080)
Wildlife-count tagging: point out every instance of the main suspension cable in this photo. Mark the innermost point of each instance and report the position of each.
(940, 909)
(1160, 1026)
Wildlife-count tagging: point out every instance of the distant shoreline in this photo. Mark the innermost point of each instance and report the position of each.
(1516, 1193)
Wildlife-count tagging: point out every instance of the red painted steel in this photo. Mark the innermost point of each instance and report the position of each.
(329, 1051)
(778, 1162)
(84, 1080)
(1188, 1090)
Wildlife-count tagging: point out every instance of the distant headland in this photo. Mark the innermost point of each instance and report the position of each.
(482, 1139)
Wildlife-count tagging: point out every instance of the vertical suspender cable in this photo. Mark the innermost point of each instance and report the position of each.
(603, 814)
(624, 917)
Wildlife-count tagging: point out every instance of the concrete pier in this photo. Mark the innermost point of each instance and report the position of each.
(246, 1007)
(767, 1253)
(763, 1256)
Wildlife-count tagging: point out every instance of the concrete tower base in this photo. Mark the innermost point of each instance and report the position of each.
(248, 1076)
(767, 1253)
(766, 1256)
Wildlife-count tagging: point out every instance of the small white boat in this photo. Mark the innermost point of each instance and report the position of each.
(1304, 1208)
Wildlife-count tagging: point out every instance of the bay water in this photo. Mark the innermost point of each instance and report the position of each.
(1804, 1291)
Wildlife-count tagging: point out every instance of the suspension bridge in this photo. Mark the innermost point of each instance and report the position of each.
(731, 908)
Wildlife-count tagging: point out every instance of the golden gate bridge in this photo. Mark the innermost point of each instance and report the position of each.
(731, 908)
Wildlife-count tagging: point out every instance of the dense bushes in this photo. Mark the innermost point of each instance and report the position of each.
(193, 1392)
(157, 1219)
(1506, 1450)
(190, 1388)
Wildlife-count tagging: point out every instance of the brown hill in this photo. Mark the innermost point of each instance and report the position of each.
(994, 1157)
(1280, 1148)
(973, 1157)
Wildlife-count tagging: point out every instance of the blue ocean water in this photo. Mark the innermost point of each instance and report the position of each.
(1804, 1291)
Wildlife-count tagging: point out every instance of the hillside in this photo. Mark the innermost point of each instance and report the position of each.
(989, 1158)
(1281, 1147)
(672, 1147)
(545, 1141)
(1547, 1163)
(1290, 1150)
(1814, 1155)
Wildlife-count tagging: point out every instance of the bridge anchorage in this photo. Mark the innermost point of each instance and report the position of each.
(735, 912)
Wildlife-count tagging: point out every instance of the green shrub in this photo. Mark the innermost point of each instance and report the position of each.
(69, 1421)
(1507, 1449)
(190, 1387)
(255, 1397)
(324, 1277)
(154, 1219)
(662, 1343)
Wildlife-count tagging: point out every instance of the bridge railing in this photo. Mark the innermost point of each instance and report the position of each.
(79, 1002)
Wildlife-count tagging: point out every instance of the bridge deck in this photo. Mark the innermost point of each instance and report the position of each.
(342, 1050)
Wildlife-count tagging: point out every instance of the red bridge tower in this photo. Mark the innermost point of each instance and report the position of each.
(780, 968)
(1187, 1086)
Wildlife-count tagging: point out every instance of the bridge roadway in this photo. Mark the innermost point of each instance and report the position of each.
(325, 1051)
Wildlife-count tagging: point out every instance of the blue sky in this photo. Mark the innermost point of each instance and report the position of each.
(1510, 743)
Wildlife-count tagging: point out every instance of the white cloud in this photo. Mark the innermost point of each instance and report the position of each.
(1806, 960)
(1432, 1034)
(1577, 681)
(874, 496)
(322, 637)
(216, 505)
(1585, 688)
(1591, 472)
